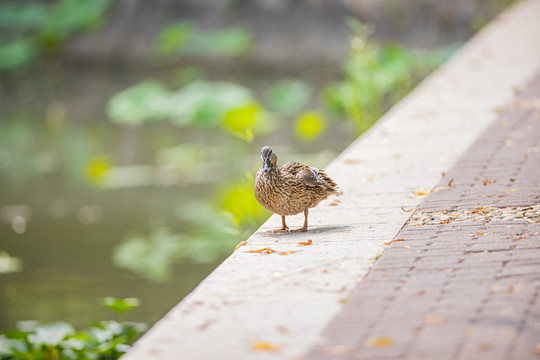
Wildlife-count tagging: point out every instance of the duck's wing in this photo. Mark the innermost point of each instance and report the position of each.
(308, 175)
(327, 180)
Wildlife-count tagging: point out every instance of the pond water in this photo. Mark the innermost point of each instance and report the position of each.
(153, 232)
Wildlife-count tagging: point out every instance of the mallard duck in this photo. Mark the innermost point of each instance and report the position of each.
(291, 188)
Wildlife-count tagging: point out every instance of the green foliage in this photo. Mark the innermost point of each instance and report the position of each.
(186, 38)
(239, 200)
(153, 255)
(288, 96)
(200, 104)
(30, 28)
(173, 38)
(309, 126)
(60, 341)
(17, 55)
(144, 102)
(97, 170)
(374, 74)
(120, 305)
(68, 17)
(204, 104)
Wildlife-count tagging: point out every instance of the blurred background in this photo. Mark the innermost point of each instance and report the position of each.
(130, 130)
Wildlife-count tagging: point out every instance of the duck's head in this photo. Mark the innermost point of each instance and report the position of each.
(269, 158)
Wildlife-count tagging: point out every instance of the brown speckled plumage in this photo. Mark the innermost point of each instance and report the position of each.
(292, 188)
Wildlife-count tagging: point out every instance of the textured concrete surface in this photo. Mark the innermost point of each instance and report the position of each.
(257, 306)
(462, 278)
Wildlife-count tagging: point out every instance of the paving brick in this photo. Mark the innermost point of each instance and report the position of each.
(459, 290)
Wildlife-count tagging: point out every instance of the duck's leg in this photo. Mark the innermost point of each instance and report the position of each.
(303, 228)
(284, 226)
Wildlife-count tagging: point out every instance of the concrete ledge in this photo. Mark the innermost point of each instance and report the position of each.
(287, 300)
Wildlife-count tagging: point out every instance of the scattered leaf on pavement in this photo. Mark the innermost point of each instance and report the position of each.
(380, 341)
(263, 251)
(433, 319)
(240, 244)
(264, 345)
(422, 192)
(305, 243)
(287, 252)
(393, 241)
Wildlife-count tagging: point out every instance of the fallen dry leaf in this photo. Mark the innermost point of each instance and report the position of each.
(433, 319)
(263, 251)
(422, 192)
(287, 252)
(450, 182)
(334, 204)
(305, 243)
(487, 181)
(393, 241)
(240, 244)
(479, 233)
(264, 345)
(445, 221)
(380, 341)
(405, 247)
(411, 209)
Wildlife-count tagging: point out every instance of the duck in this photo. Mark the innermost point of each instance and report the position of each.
(291, 188)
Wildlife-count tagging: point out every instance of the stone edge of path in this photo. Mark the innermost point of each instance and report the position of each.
(258, 306)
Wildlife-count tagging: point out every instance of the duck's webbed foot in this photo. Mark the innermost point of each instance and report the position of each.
(284, 227)
(303, 228)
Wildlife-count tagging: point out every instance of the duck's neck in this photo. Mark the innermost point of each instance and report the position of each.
(273, 175)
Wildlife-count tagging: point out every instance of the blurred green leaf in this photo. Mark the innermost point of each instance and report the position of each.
(239, 200)
(173, 38)
(147, 101)
(288, 96)
(185, 38)
(151, 256)
(204, 104)
(120, 305)
(17, 55)
(22, 15)
(233, 41)
(309, 125)
(97, 170)
(67, 17)
(51, 334)
(242, 118)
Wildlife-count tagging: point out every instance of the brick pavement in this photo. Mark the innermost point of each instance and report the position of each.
(463, 280)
